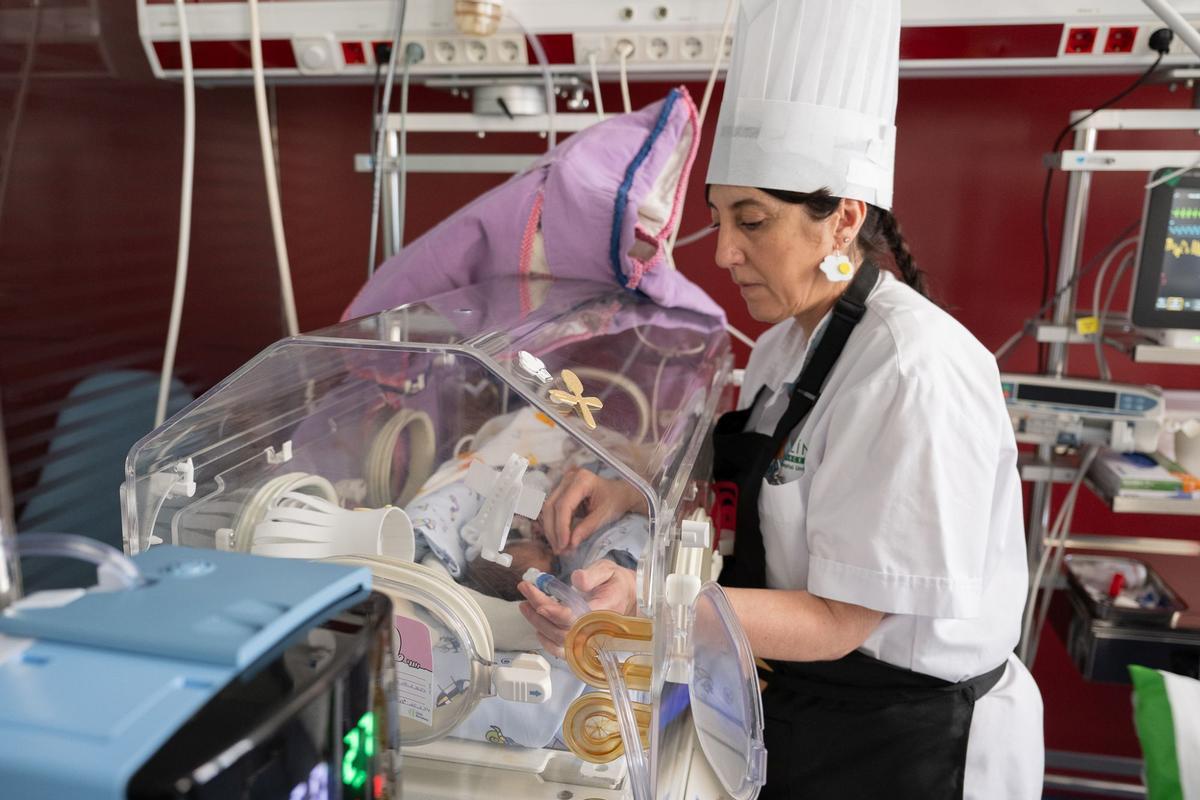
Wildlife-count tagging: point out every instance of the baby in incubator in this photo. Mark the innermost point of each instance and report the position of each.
(440, 513)
(445, 504)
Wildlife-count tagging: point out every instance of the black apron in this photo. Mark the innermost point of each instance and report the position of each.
(856, 727)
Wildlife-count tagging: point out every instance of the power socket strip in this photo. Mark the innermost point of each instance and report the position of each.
(660, 47)
(471, 51)
(1114, 39)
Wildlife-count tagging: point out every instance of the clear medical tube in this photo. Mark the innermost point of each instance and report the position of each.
(10, 568)
(635, 757)
(10, 564)
(564, 594)
(108, 560)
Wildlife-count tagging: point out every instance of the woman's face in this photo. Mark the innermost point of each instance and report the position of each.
(773, 249)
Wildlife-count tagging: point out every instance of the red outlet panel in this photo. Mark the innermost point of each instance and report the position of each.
(1081, 40)
(1120, 40)
(354, 53)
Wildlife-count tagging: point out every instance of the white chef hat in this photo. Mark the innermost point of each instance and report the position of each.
(810, 98)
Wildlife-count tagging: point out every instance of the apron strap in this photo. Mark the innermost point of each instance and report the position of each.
(847, 313)
(864, 678)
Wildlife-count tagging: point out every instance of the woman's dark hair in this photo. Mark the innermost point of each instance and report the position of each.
(879, 238)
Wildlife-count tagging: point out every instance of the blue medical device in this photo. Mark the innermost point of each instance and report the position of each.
(223, 675)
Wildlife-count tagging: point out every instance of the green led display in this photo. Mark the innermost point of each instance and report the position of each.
(360, 747)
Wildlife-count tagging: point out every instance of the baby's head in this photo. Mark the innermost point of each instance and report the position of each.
(487, 577)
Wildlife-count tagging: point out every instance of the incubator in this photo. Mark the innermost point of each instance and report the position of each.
(423, 443)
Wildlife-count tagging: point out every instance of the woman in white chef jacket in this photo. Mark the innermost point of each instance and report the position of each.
(879, 561)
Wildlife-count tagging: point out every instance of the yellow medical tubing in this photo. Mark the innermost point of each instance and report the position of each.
(598, 629)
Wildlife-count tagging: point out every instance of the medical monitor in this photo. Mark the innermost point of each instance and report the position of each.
(1167, 291)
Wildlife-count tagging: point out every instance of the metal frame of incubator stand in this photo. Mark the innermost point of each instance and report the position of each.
(1080, 163)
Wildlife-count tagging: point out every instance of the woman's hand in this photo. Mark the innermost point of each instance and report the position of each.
(581, 491)
(608, 587)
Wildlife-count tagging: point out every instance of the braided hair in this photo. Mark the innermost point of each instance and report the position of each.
(879, 238)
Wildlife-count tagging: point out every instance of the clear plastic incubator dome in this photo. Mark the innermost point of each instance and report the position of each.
(427, 443)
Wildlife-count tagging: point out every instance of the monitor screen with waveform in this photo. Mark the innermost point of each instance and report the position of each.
(1179, 281)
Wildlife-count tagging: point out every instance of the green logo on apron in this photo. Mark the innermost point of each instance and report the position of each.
(795, 460)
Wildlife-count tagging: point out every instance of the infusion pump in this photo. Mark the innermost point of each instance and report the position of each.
(1072, 412)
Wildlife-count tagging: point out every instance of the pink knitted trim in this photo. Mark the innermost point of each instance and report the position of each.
(526, 258)
(639, 268)
(531, 228)
(681, 187)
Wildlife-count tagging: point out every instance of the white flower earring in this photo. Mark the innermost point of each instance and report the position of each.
(836, 266)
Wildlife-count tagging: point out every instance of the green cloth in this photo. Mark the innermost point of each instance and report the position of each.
(1156, 731)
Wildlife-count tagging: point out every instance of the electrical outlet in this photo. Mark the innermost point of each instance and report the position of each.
(584, 45)
(510, 50)
(381, 51)
(626, 44)
(660, 47)
(657, 47)
(1178, 46)
(476, 51)
(472, 51)
(693, 47)
(1080, 41)
(1120, 39)
(446, 51)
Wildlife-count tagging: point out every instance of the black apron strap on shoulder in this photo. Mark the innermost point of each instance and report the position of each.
(734, 422)
(847, 313)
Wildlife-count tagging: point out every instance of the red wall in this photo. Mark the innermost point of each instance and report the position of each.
(87, 243)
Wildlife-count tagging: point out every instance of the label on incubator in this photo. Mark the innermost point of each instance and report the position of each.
(414, 670)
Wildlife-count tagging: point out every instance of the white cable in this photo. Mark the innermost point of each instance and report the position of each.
(1008, 345)
(1030, 324)
(708, 90)
(268, 156)
(385, 106)
(658, 373)
(720, 56)
(741, 337)
(1172, 175)
(1116, 281)
(1097, 311)
(402, 199)
(596, 85)
(539, 53)
(1056, 540)
(1050, 565)
(14, 125)
(692, 238)
(623, 56)
(1126, 263)
(1056, 561)
(1101, 364)
(1028, 613)
(185, 216)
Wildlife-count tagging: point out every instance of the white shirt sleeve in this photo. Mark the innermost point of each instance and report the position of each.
(899, 508)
